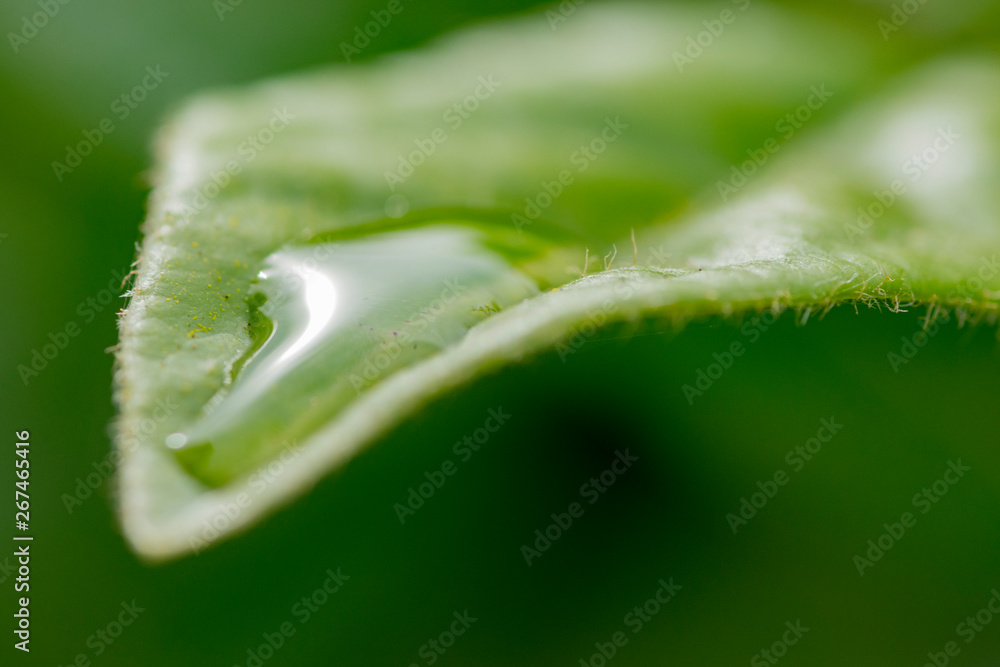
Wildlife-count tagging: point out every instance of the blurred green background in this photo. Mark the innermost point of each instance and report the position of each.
(64, 242)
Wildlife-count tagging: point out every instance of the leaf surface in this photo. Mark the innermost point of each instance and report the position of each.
(507, 158)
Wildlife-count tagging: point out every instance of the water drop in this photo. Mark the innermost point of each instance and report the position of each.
(416, 291)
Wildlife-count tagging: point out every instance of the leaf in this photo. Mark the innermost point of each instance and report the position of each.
(505, 158)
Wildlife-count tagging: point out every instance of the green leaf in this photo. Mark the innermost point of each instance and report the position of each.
(750, 177)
